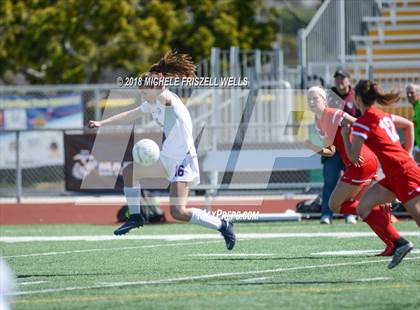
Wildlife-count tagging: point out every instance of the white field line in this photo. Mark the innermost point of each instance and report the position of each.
(373, 279)
(263, 279)
(30, 283)
(181, 237)
(110, 249)
(354, 252)
(252, 280)
(231, 254)
(202, 277)
(119, 199)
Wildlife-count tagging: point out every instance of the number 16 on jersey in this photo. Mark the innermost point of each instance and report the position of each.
(179, 171)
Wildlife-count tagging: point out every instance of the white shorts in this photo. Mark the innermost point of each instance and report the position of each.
(179, 170)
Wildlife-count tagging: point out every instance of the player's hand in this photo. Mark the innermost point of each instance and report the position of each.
(94, 124)
(346, 122)
(360, 161)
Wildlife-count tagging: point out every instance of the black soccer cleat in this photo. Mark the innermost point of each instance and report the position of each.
(134, 221)
(399, 253)
(228, 234)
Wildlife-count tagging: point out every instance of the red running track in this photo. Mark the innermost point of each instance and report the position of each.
(72, 213)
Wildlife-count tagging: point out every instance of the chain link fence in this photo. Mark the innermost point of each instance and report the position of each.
(32, 160)
(277, 124)
(23, 171)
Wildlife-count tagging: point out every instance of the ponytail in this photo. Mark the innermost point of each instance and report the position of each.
(370, 93)
(173, 64)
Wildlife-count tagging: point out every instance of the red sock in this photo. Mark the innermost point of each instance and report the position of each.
(350, 207)
(382, 226)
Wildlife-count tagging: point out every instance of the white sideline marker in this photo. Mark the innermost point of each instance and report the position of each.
(185, 237)
(354, 252)
(202, 277)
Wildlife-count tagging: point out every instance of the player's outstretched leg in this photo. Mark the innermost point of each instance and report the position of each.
(344, 200)
(132, 175)
(136, 219)
(390, 247)
(228, 233)
(178, 200)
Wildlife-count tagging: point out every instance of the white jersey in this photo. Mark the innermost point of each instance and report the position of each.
(177, 126)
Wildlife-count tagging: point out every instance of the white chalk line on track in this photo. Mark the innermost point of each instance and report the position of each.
(111, 249)
(185, 237)
(355, 252)
(203, 277)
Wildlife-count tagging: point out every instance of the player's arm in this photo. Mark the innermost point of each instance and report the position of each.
(408, 131)
(326, 151)
(126, 117)
(165, 98)
(353, 148)
(347, 120)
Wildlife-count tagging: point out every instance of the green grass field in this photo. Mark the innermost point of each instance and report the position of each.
(189, 268)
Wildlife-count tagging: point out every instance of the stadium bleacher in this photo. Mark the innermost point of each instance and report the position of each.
(392, 42)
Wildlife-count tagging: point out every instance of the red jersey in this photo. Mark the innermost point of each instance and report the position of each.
(329, 128)
(378, 130)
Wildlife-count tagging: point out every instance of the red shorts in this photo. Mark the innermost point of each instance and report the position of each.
(404, 183)
(362, 175)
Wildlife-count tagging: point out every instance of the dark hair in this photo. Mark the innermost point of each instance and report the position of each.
(173, 64)
(370, 93)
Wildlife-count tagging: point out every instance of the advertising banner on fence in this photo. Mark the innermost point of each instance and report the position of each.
(104, 169)
(28, 112)
(37, 149)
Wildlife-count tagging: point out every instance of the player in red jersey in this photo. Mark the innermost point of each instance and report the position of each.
(357, 176)
(376, 129)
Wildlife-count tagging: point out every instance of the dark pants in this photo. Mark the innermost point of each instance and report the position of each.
(331, 172)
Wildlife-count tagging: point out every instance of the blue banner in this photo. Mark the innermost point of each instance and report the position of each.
(22, 112)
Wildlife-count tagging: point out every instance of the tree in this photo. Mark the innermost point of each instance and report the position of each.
(73, 41)
(290, 20)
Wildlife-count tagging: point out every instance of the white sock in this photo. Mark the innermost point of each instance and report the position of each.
(133, 195)
(201, 217)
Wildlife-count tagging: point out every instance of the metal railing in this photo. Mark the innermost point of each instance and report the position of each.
(327, 37)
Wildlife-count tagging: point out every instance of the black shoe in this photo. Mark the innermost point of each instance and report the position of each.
(399, 253)
(228, 234)
(134, 221)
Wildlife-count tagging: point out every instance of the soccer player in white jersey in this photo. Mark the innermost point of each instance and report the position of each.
(178, 157)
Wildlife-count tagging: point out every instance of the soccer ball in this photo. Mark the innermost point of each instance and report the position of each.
(146, 152)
